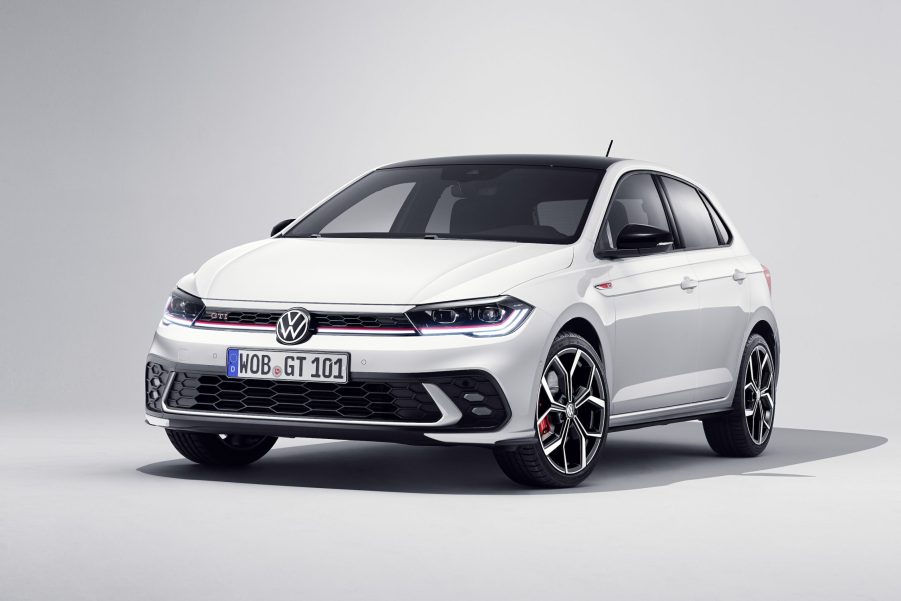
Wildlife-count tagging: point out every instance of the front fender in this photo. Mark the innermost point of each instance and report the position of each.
(594, 310)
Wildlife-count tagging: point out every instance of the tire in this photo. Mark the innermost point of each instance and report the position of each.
(227, 450)
(576, 421)
(746, 430)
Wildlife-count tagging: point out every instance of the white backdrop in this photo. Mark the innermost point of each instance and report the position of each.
(138, 139)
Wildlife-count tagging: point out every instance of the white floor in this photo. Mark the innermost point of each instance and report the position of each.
(104, 509)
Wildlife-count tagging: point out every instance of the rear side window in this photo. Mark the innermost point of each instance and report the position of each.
(691, 214)
(721, 229)
(635, 201)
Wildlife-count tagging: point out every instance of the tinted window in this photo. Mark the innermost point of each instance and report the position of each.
(692, 217)
(721, 229)
(562, 215)
(635, 201)
(483, 202)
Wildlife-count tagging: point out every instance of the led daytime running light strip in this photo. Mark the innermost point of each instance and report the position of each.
(376, 331)
(169, 318)
(224, 325)
(510, 323)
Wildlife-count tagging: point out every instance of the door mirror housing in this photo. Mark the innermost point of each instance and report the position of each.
(280, 226)
(637, 239)
(643, 237)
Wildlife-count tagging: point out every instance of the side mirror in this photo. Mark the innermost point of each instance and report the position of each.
(280, 226)
(643, 237)
(636, 239)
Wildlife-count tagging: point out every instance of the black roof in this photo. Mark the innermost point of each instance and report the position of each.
(550, 160)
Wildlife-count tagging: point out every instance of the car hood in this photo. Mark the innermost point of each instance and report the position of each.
(373, 271)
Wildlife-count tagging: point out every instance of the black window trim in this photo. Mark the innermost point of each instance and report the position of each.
(713, 212)
(678, 244)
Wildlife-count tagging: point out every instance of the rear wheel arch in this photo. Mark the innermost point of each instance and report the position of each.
(765, 330)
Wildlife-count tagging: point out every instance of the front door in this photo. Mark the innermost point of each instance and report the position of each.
(656, 310)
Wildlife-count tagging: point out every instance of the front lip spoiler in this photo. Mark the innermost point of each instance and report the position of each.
(152, 420)
(331, 431)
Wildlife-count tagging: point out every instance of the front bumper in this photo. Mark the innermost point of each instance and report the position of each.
(509, 364)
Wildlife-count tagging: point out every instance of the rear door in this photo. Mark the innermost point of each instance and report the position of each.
(655, 330)
(722, 297)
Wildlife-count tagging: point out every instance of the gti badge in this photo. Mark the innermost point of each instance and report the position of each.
(293, 326)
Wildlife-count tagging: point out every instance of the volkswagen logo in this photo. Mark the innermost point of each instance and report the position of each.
(293, 326)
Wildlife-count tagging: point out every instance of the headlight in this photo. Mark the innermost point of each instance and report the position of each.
(182, 308)
(487, 317)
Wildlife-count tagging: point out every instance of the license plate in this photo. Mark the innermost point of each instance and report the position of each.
(287, 365)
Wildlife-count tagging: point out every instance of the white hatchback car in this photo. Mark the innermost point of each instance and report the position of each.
(530, 304)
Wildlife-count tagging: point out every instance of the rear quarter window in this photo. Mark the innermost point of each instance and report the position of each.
(721, 229)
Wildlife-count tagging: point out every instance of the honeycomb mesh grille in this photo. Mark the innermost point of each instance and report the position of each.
(331, 320)
(393, 401)
(155, 379)
(361, 320)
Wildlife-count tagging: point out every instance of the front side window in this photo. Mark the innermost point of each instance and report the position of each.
(691, 214)
(479, 202)
(636, 200)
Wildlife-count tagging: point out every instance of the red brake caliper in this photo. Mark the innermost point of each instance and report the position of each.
(544, 426)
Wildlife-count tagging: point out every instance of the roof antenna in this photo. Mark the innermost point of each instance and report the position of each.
(608, 148)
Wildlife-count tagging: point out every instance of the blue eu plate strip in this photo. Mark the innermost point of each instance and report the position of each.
(232, 362)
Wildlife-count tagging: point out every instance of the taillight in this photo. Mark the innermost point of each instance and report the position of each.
(769, 278)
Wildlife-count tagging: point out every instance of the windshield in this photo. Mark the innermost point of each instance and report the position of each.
(477, 202)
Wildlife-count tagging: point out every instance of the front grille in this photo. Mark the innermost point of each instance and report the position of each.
(400, 399)
(382, 401)
(256, 318)
(361, 320)
(225, 317)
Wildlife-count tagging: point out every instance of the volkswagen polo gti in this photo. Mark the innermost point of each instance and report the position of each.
(527, 303)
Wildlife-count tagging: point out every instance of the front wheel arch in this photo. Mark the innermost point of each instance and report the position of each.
(579, 319)
(583, 328)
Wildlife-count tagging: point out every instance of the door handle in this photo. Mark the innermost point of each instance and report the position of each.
(739, 276)
(689, 283)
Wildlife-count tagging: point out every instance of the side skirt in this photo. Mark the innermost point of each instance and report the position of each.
(668, 420)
